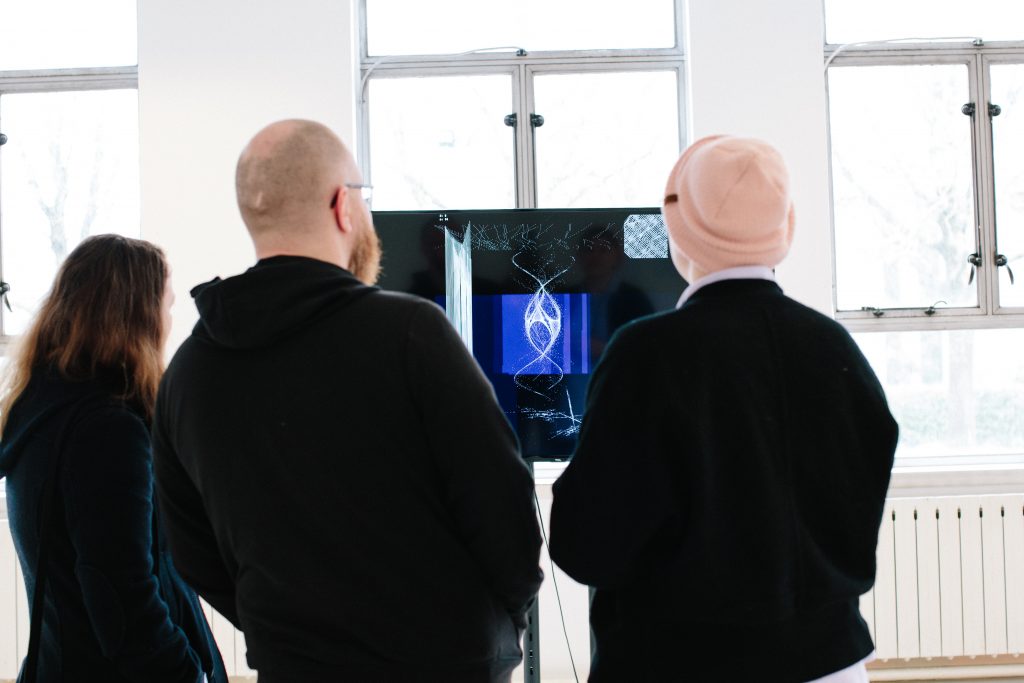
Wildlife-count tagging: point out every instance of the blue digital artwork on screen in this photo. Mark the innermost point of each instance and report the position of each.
(544, 334)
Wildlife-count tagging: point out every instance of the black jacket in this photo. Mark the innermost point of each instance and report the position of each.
(727, 491)
(115, 608)
(341, 483)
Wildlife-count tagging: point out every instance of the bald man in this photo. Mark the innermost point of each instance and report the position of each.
(336, 475)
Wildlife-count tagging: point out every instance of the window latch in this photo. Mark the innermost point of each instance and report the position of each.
(4, 288)
(875, 311)
(536, 120)
(970, 108)
(975, 261)
(1002, 261)
(511, 120)
(931, 309)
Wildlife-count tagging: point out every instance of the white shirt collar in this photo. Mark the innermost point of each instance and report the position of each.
(738, 273)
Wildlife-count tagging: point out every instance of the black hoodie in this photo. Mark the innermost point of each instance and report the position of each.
(115, 609)
(339, 480)
(748, 445)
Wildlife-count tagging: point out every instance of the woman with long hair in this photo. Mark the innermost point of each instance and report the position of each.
(75, 405)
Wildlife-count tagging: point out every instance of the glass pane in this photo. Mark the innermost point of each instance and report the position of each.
(847, 21)
(954, 393)
(442, 143)
(607, 151)
(902, 186)
(70, 169)
(52, 34)
(1007, 141)
(397, 27)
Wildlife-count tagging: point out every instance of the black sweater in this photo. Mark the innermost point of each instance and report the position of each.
(115, 608)
(341, 483)
(726, 493)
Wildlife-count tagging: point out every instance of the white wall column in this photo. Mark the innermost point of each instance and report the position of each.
(755, 69)
(210, 75)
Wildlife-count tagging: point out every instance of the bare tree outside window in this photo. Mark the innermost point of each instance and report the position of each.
(69, 170)
(902, 185)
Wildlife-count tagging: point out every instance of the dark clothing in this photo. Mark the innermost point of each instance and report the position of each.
(727, 491)
(115, 608)
(340, 481)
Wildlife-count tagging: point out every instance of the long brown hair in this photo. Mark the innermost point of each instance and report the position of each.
(102, 314)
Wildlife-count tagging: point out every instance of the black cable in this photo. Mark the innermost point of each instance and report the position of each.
(554, 581)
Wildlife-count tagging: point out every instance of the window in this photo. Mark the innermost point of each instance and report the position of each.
(69, 167)
(433, 155)
(902, 186)
(395, 27)
(955, 393)
(67, 34)
(927, 199)
(615, 151)
(849, 21)
(520, 113)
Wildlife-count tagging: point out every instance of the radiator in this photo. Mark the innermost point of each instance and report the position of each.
(950, 579)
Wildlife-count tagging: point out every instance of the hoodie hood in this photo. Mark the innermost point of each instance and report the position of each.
(272, 300)
(47, 394)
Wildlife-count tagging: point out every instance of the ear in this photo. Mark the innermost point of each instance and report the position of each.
(339, 209)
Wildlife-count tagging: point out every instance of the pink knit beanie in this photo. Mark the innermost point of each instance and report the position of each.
(727, 204)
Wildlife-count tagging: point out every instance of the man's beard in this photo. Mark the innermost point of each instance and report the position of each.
(365, 260)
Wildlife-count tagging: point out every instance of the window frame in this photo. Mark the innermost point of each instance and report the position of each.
(47, 81)
(522, 68)
(978, 57)
(998, 57)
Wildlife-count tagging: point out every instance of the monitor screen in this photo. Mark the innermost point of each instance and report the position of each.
(536, 295)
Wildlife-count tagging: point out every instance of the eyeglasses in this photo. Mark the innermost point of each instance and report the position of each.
(365, 190)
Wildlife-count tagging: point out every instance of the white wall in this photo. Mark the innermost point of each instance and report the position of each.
(212, 73)
(755, 69)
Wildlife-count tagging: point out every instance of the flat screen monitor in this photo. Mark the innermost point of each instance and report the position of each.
(536, 295)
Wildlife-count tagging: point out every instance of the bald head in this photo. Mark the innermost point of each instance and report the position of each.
(287, 174)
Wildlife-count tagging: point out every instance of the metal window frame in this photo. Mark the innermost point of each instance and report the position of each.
(977, 57)
(57, 80)
(523, 68)
(923, 47)
(987, 62)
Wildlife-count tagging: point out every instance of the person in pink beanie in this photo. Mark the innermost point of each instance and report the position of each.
(726, 492)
